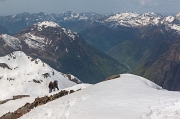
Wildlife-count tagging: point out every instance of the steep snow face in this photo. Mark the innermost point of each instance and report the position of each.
(46, 24)
(20, 74)
(131, 19)
(127, 97)
(13, 42)
(34, 41)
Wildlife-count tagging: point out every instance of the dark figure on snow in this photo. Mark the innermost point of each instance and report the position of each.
(55, 84)
(51, 86)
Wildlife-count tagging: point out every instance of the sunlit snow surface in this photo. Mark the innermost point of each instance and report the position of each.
(21, 73)
(131, 19)
(13, 105)
(46, 24)
(127, 97)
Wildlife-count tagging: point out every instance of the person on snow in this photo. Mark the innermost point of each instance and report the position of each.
(51, 86)
(55, 84)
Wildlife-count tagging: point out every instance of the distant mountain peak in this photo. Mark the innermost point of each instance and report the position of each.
(132, 19)
(168, 19)
(46, 24)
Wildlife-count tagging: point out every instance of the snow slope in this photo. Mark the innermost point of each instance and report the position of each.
(20, 74)
(7, 107)
(127, 97)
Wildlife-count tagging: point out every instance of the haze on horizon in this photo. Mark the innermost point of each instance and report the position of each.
(12, 7)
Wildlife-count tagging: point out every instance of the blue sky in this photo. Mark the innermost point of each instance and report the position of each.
(11, 7)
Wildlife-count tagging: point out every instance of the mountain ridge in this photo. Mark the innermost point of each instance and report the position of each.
(21, 74)
(66, 52)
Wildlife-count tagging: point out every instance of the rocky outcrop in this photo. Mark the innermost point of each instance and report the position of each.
(112, 77)
(4, 65)
(37, 102)
(73, 78)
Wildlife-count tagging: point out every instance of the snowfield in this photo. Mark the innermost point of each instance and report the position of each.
(127, 97)
(13, 105)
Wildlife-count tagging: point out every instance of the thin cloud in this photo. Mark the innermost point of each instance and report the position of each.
(2, 0)
(147, 3)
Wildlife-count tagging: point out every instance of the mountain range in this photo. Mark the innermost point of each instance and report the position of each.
(131, 38)
(87, 47)
(62, 49)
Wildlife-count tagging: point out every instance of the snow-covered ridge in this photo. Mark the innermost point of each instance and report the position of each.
(168, 19)
(131, 19)
(11, 41)
(127, 97)
(20, 74)
(46, 24)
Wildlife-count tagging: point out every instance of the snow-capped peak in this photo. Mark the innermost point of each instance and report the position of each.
(131, 19)
(11, 41)
(121, 16)
(46, 24)
(21, 74)
(150, 14)
(168, 19)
